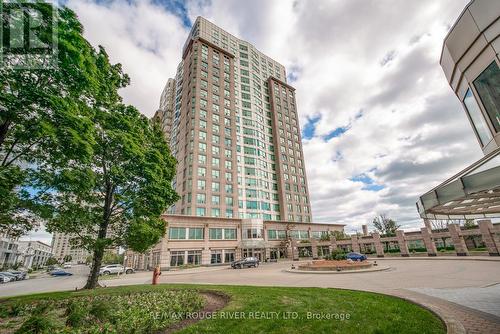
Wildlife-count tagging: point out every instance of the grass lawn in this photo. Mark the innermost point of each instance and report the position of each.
(296, 310)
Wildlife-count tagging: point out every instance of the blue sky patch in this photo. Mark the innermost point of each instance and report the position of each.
(368, 182)
(310, 127)
(335, 133)
(178, 8)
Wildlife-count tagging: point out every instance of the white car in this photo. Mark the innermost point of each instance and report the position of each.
(5, 279)
(67, 265)
(115, 269)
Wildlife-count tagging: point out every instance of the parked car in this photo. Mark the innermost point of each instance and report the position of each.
(115, 269)
(20, 275)
(246, 262)
(356, 256)
(60, 272)
(10, 275)
(52, 267)
(67, 265)
(6, 279)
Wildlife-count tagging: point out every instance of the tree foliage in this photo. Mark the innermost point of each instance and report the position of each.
(78, 157)
(385, 225)
(44, 120)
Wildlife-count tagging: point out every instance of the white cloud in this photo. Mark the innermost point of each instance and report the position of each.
(145, 38)
(378, 57)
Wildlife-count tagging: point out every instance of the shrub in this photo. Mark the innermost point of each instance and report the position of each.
(16, 309)
(336, 255)
(37, 324)
(76, 314)
(101, 310)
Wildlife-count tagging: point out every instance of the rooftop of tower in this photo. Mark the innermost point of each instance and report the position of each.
(209, 31)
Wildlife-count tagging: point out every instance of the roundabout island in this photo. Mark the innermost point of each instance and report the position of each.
(336, 267)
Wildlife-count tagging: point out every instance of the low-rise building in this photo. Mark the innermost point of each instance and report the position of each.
(9, 252)
(191, 240)
(34, 254)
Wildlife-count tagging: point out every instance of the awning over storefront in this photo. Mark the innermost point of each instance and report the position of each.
(471, 194)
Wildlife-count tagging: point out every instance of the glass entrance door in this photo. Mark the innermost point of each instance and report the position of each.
(253, 252)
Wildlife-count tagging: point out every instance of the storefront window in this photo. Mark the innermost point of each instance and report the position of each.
(176, 258)
(488, 88)
(216, 257)
(228, 255)
(477, 118)
(194, 257)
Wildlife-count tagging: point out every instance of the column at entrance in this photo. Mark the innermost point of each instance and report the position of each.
(429, 242)
(458, 240)
(490, 239)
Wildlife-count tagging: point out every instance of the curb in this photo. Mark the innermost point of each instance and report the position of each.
(333, 272)
(453, 325)
(437, 258)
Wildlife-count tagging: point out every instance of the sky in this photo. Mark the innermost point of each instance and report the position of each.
(380, 124)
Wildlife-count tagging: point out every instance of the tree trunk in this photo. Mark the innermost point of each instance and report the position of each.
(99, 249)
(4, 128)
(96, 265)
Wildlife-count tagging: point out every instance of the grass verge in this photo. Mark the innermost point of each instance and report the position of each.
(285, 310)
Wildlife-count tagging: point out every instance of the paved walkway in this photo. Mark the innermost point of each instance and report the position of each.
(484, 299)
(461, 292)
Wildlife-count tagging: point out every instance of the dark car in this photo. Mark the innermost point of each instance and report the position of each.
(246, 262)
(10, 275)
(356, 256)
(20, 275)
(60, 273)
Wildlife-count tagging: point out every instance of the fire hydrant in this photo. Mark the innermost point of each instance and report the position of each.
(156, 275)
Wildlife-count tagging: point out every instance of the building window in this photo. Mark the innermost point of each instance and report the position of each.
(228, 255)
(488, 87)
(477, 118)
(194, 257)
(215, 234)
(254, 233)
(176, 233)
(200, 212)
(176, 258)
(195, 233)
(200, 198)
(222, 234)
(230, 233)
(216, 257)
(276, 234)
(299, 234)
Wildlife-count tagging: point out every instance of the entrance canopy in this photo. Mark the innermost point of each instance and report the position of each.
(471, 194)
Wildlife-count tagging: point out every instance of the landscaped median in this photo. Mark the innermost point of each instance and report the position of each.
(153, 309)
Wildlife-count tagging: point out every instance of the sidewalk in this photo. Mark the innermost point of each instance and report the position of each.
(437, 258)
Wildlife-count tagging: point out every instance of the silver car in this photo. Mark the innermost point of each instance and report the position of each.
(115, 269)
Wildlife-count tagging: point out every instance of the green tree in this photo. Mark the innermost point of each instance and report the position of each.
(385, 225)
(116, 197)
(44, 120)
(112, 258)
(68, 258)
(339, 235)
(51, 261)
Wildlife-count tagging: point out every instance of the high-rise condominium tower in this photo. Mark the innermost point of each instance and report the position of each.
(232, 124)
(165, 113)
